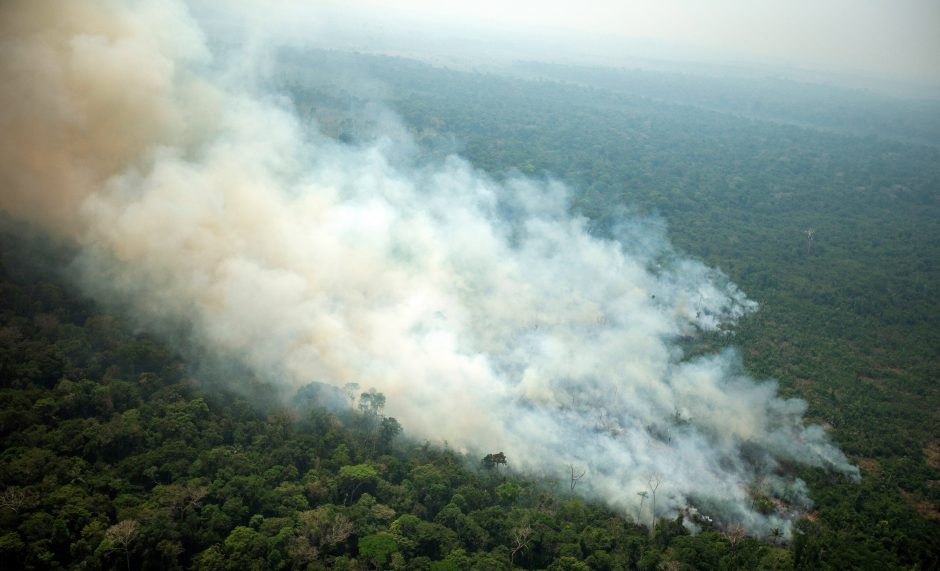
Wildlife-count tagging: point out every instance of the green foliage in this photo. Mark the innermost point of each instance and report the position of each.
(377, 548)
(568, 563)
(493, 461)
(508, 493)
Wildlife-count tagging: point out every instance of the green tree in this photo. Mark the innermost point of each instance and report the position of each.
(568, 564)
(493, 461)
(354, 478)
(377, 549)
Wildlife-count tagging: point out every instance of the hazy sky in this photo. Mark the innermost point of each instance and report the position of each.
(890, 38)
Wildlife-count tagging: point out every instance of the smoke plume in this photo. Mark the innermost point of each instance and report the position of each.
(490, 317)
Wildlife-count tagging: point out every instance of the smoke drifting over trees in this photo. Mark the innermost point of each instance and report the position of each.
(488, 316)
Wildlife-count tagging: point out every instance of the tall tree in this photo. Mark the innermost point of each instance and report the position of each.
(121, 535)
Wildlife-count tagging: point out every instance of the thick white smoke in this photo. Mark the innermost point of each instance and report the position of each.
(489, 316)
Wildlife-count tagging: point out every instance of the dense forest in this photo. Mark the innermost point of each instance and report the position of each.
(122, 450)
(120, 453)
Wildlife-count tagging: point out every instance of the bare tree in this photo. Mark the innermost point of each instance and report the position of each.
(575, 476)
(337, 533)
(185, 498)
(12, 498)
(643, 495)
(301, 552)
(120, 536)
(520, 539)
(734, 535)
(654, 481)
(194, 496)
(316, 532)
(810, 234)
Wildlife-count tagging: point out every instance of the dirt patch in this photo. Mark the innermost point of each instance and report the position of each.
(803, 385)
(879, 383)
(869, 465)
(932, 454)
(922, 505)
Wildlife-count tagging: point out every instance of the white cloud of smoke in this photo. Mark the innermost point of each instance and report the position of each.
(319, 261)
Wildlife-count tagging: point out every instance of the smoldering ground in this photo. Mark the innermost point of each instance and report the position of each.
(488, 315)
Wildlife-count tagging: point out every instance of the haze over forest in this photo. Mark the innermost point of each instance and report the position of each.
(871, 43)
(669, 273)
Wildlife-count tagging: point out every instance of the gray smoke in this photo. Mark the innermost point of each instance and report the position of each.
(490, 317)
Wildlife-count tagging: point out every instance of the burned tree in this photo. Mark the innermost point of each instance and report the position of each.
(654, 481)
(576, 475)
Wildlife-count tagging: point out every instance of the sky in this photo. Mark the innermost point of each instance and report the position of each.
(888, 39)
